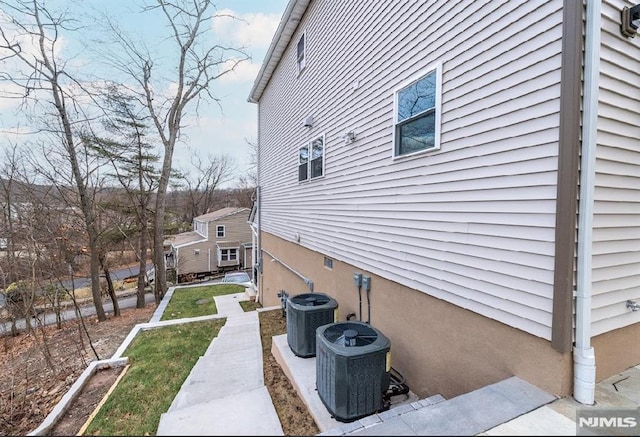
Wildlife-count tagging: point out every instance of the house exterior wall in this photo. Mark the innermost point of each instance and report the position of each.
(471, 224)
(616, 222)
(440, 348)
(236, 229)
(190, 262)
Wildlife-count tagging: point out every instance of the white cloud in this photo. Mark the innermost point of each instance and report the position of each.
(28, 41)
(252, 30)
(245, 71)
(14, 135)
(10, 95)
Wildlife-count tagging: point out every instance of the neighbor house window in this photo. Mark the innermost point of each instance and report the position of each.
(311, 160)
(301, 53)
(220, 231)
(417, 114)
(228, 254)
(200, 228)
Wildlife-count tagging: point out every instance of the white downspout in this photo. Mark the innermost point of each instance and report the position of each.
(584, 360)
(177, 262)
(259, 256)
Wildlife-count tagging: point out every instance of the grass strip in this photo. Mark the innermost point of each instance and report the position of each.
(160, 360)
(249, 305)
(197, 301)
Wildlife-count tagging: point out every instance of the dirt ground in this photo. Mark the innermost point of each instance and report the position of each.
(34, 384)
(292, 411)
(39, 368)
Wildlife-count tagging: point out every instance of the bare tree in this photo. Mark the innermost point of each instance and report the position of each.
(8, 232)
(27, 217)
(201, 181)
(250, 179)
(43, 76)
(196, 65)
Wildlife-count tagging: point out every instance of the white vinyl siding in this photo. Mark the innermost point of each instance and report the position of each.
(616, 222)
(472, 223)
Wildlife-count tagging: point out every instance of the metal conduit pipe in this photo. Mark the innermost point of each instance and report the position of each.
(306, 280)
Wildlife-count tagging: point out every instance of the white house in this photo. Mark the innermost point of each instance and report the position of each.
(479, 162)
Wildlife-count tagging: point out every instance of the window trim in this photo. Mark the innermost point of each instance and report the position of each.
(228, 251)
(437, 107)
(299, 68)
(308, 145)
(223, 231)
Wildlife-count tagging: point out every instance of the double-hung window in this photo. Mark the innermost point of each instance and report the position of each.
(417, 114)
(311, 159)
(228, 254)
(301, 49)
(220, 231)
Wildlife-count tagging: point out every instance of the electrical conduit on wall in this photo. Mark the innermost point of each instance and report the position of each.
(306, 280)
(584, 362)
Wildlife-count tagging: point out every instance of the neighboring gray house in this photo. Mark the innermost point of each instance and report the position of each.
(217, 243)
(479, 160)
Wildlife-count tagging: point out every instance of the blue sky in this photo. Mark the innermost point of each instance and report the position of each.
(216, 130)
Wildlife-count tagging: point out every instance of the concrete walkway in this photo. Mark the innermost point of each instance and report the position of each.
(225, 393)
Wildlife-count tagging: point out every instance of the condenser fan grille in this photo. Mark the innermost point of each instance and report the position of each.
(311, 299)
(350, 334)
(305, 313)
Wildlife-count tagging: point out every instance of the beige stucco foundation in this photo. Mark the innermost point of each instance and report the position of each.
(616, 351)
(440, 348)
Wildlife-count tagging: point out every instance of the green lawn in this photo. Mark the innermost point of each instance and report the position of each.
(197, 301)
(160, 361)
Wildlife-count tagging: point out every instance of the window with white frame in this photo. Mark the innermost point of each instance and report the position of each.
(311, 160)
(229, 254)
(417, 114)
(301, 49)
(200, 227)
(220, 231)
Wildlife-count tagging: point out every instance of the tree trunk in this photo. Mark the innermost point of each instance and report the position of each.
(158, 229)
(112, 293)
(110, 290)
(95, 280)
(142, 256)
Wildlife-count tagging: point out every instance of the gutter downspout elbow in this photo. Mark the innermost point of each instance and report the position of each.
(584, 361)
(309, 283)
